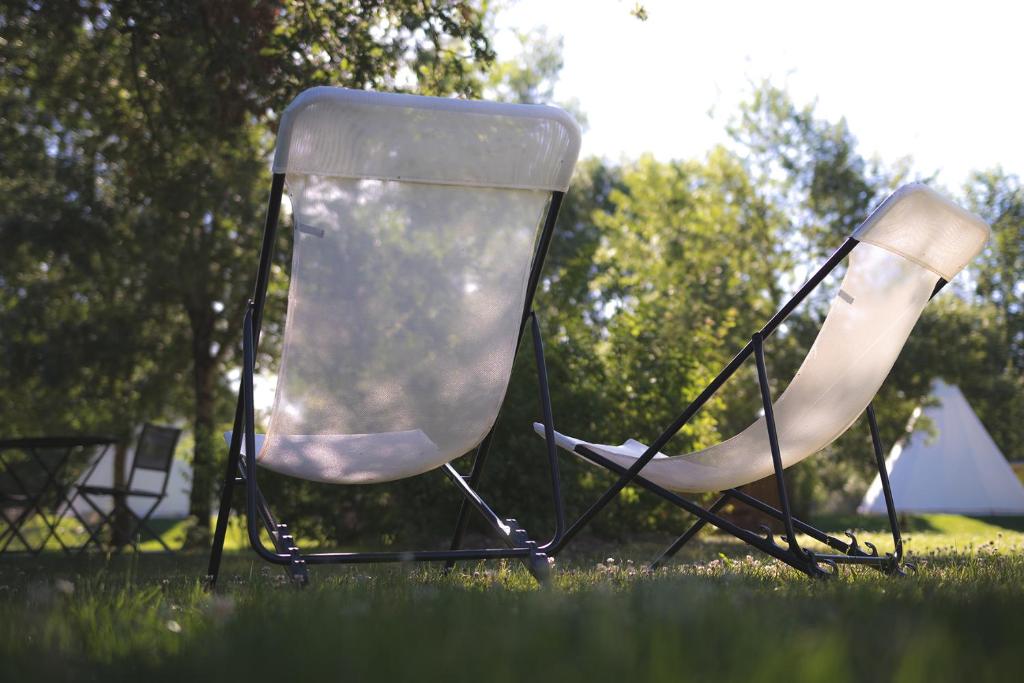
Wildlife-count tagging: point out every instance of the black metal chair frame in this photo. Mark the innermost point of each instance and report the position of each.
(515, 538)
(800, 558)
(243, 472)
(140, 522)
(31, 504)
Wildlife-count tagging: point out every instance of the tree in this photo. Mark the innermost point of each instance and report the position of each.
(531, 75)
(999, 297)
(999, 198)
(657, 274)
(816, 175)
(175, 104)
(85, 348)
(811, 168)
(687, 270)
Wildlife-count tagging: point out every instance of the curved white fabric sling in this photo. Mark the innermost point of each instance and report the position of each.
(914, 238)
(416, 220)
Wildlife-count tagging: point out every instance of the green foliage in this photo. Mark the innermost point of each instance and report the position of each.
(811, 167)
(165, 110)
(135, 141)
(85, 348)
(999, 271)
(687, 270)
(531, 78)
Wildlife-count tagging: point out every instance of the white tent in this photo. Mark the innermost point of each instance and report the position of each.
(956, 468)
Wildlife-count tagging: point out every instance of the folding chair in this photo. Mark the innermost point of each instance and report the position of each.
(900, 257)
(421, 226)
(154, 453)
(36, 484)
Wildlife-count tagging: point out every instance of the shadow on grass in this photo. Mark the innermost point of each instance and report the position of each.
(837, 524)
(942, 523)
(1008, 523)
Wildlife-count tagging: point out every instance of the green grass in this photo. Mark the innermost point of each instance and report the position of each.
(719, 613)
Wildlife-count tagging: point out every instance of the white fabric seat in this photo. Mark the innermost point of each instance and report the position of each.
(416, 222)
(911, 241)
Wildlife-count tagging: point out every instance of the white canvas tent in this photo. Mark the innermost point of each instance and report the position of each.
(957, 468)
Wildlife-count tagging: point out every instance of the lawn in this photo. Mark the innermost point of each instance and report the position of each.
(716, 614)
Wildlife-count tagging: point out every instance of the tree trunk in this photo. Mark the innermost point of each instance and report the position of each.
(122, 521)
(203, 460)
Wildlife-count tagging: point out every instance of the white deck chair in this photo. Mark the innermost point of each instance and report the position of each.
(908, 248)
(421, 226)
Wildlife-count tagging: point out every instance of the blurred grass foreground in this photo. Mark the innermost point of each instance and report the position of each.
(716, 613)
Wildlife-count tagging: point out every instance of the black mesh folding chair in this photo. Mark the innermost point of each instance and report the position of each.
(155, 454)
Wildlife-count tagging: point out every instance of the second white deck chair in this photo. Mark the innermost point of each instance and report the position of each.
(421, 226)
(910, 246)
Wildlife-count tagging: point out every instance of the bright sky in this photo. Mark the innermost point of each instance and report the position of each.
(938, 81)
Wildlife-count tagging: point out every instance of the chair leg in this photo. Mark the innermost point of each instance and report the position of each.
(94, 533)
(773, 441)
(142, 524)
(14, 529)
(256, 509)
(280, 535)
(52, 533)
(508, 530)
(544, 392)
(538, 564)
(890, 505)
(474, 477)
(31, 507)
(224, 509)
(687, 535)
(852, 553)
(285, 543)
(806, 562)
